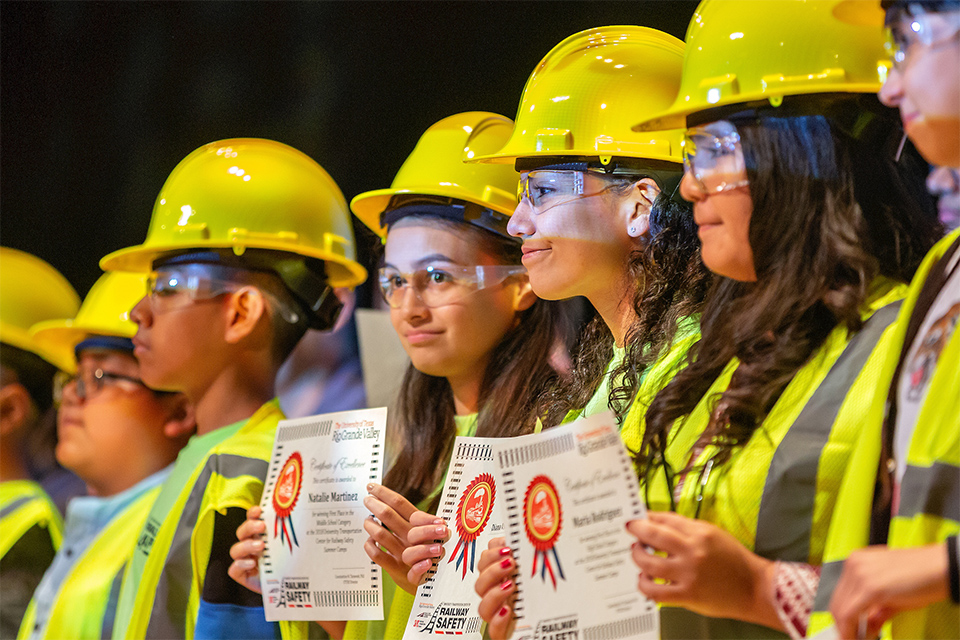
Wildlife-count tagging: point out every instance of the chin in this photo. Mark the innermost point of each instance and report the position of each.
(937, 140)
(547, 289)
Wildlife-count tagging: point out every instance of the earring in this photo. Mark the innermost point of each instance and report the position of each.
(632, 230)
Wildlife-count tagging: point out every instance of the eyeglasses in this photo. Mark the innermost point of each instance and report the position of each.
(713, 157)
(91, 383)
(439, 286)
(175, 287)
(913, 26)
(546, 189)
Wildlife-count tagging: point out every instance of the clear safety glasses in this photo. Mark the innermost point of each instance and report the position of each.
(439, 286)
(913, 27)
(713, 157)
(178, 286)
(546, 189)
(91, 382)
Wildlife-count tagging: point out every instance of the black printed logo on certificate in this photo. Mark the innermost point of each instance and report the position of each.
(568, 493)
(314, 566)
(446, 603)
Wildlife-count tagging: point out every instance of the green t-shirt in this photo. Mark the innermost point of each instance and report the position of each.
(183, 469)
(599, 401)
(397, 603)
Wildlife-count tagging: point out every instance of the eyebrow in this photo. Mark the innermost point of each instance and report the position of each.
(426, 260)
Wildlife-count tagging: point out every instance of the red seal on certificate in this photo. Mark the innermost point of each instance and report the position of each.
(473, 512)
(543, 520)
(285, 495)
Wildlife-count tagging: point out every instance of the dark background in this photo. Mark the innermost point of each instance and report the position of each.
(100, 100)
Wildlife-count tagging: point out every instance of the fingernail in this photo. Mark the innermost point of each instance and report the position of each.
(439, 521)
(258, 544)
(506, 562)
(503, 612)
(371, 486)
(505, 551)
(506, 585)
(366, 501)
(435, 549)
(441, 531)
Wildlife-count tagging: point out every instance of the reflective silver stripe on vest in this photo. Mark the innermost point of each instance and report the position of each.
(785, 519)
(168, 619)
(13, 506)
(110, 613)
(829, 577)
(933, 491)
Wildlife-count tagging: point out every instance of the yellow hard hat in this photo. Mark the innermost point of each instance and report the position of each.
(742, 51)
(584, 96)
(436, 168)
(862, 12)
(248, 193)
(32, 291)
(104, 312)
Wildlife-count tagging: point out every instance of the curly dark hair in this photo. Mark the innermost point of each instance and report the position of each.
(671, 282)
(831, 212)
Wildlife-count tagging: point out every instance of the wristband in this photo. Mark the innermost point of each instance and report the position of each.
(953, 569)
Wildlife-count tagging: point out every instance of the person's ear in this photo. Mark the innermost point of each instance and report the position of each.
(181, 419)
(638, 205)
(244, 308)
(16, 408)
(525, 297)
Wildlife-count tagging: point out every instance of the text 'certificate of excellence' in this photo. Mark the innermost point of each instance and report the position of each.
(568, 493)
(314, 566)
(446, 603)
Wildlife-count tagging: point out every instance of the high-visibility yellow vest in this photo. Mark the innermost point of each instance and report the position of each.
(86, 600)
(656, 378)
(929, 509)
(231, 475)
(23, 505)
(776, 493)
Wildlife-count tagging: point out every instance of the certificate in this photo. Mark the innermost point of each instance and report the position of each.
(446, 603)
(314, 566)
(568, 494)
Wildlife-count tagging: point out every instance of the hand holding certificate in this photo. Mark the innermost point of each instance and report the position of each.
(568, 494)
(472, 505)
(314, 566)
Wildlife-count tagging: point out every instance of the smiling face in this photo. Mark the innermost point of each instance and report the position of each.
(453, 340)
(722, 216)
(115, 437)
(926, 89)
(577, 247)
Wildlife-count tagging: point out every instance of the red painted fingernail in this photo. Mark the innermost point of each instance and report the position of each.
(506, 585)
(503, 612)
(505, 551)
(506, 562)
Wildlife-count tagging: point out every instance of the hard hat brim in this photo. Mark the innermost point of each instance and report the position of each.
(341, 271)
(60, 357)
(860, 12)
(60, 335)
(369, 205)
(509, 156)
(680, 110)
